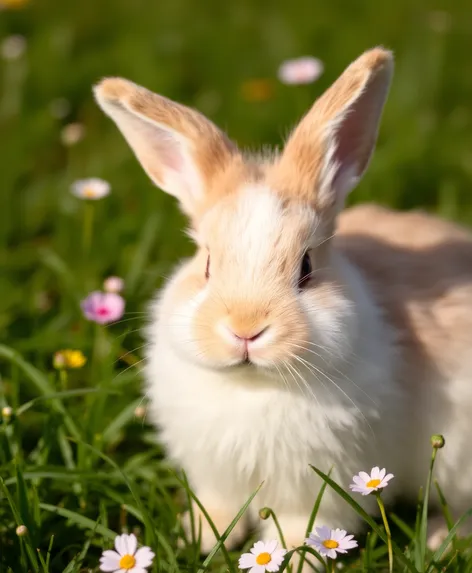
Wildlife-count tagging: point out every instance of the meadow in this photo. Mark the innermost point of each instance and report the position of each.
(79, 462)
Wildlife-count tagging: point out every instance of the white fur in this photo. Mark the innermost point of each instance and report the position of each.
(232, 429)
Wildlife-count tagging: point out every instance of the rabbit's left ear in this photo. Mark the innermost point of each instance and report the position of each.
(180, 149)
(330, 149)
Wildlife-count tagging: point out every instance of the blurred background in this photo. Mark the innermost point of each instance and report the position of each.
(223, 58)
(234, 61)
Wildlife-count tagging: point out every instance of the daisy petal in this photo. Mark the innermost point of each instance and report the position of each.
(247, 560)
(318, 545)
(120, 544)
(357, 488)
(338, 534)
(382, 473)
(364, 476)
(136, 570)
(388, 477)
(278, 556)
(358, 480)
(257, 569)
(144, 556)
(323, 532)
(132, 544)
(331, 553)
(258, 547)
(273, 566)
(271, 546)
(109, 561)
(375, 473)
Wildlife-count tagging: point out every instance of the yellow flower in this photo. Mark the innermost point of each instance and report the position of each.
(257, 90)
(69, 359)
(13, 3)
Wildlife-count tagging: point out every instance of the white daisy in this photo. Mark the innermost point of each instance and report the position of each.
(365, 483)
(330, 542)
(90, 188)
(13, 47)
(126, 559)
(72, 133)
(264, 556)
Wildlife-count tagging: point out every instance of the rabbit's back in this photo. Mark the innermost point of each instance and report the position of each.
(419, 268)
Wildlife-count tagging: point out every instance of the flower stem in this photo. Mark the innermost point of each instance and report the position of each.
(387, 530)
(424, 514)
(332, 568)
(279, 529)
(87, 231)
(63, 378)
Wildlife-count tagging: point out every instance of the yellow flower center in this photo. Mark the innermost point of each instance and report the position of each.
(330, 544)
(127, 562)
(373, 483)
(89, 192)
(263, 558)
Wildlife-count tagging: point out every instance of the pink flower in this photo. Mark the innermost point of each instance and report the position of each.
(300, 70)
(103, 307)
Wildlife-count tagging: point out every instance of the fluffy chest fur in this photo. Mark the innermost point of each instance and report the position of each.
(235, 428)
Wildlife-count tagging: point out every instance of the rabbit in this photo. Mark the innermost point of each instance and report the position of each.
(301, 333)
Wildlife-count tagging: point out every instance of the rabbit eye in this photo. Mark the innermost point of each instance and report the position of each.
(207, 270)
(305, 270)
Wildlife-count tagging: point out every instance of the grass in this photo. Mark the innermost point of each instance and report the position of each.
(77, 464)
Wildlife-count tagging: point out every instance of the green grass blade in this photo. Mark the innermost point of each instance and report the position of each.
(75, 564)
(120, 421)
(422, 537)
(404, 527)
(444, 545)
(132, 488)
(216, 533)
(79, 520)
(314, 513)
(42, 384)
(444, 506)
(220, 544)
(30, 550)
(304, 549)
(24, 505)
(61, 395)
(142, 251)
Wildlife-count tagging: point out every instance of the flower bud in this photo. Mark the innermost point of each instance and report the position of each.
(437, 441)
(113, 284)
(264, 513)
(140, 412)
(21, 530)
(7, 413)
(59, 360)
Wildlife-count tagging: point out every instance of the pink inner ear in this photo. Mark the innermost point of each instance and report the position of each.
(348, 140)
(169, 150)
(355, 136)
(158, 150)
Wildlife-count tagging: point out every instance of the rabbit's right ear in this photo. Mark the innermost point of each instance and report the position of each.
(330, 149)
(178, 147)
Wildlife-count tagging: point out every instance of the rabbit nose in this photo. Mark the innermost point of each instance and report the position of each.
(249, 337)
